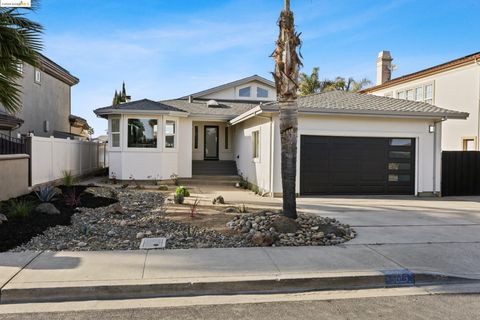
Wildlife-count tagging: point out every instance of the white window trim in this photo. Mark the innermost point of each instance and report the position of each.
(176, 139)
(262, 88)
(252, 89)
(159, 127)
(39, 72)
(259, 149)
(463, 139)
(110, 133)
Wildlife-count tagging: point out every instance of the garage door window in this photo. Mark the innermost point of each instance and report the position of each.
(400, 142)
(399, 166)
(400, 154)
(398, 177)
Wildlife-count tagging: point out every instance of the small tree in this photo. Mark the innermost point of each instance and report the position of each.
(309, 84)
(120, 96)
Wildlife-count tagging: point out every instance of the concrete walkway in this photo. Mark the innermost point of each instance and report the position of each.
(63, 276)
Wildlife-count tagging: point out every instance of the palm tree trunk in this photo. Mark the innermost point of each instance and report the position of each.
(287, 64)
(288, 140)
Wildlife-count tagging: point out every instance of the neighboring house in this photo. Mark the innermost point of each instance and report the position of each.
(45, 101)
(454, 84)
(348, 143)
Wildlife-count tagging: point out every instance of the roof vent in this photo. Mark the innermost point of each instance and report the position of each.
(213, 104)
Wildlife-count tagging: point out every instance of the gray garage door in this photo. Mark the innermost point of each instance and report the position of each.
(356, 165)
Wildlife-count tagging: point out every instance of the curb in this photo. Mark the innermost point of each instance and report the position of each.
(386, 279)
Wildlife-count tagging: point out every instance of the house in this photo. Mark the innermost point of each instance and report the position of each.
(348, 143)
(46, 103)
(454, 84)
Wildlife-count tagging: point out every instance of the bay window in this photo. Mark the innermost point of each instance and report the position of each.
(170, 133)
(142, 133)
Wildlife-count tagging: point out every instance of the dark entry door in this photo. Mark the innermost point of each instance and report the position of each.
(210, 143)
(356, 165)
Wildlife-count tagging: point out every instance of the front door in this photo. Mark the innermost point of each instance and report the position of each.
(211, 143)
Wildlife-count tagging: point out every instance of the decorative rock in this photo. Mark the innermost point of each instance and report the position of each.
(116, 209)
(163, 187)
(285, 225)
(3, 218)
(140, 235)
(230, 210)
(47, 208)
(218, 200)
(82, 244)
(111, 233)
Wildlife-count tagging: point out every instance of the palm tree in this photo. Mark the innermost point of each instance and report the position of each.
(309, 84)
(349, 84)
(19, 42)
(287, 64)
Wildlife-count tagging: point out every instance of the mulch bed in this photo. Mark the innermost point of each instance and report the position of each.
(18, 231)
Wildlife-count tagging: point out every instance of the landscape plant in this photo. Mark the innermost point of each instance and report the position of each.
(72, 198)
(67, 179)
(46, 193)
(183, 191)
(174, 178)
(194, 208)
(19, 208)
(178, 198)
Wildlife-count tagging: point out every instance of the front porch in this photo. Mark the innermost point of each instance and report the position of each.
(214, 168)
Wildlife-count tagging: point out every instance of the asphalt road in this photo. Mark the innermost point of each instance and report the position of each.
(457, 306)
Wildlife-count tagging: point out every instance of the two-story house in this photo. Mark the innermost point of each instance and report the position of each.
(45, 103)
(454, 84)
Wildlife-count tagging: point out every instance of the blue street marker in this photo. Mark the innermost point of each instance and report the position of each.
(399, 278)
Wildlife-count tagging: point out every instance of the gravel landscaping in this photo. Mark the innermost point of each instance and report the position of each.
(142, 213)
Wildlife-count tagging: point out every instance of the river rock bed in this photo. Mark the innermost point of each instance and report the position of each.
(141, 214)
(268, 228)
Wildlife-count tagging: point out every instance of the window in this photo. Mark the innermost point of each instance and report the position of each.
(400, 154)
(196, 137)
(38, 76)
(401, 142)
(256, 144)
(262, 93)
(469, 144)
(388, 95)
(244, 92)
(410, 95)
(115, 131)
(401, 95)
(399, 177)
(429, 94)
(398, 166)
(142, 133)
(226, 137)
(170, 132)
(419, 94)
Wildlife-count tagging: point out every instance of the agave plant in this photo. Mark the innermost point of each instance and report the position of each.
(46, 193)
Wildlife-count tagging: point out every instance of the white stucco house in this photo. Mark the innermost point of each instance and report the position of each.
(348, 143)
(454, 84)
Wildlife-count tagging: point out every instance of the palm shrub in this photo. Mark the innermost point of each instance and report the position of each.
(46, 193)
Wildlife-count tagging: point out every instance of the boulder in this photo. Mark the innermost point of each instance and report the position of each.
(3, 218)
(218, 200)
(47, 208)
(285, 225)
(262, 239)
(116, 209)
(231, 210)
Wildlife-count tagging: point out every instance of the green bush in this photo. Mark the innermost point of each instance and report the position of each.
(183, 191)
(68, 178)
(19, 209)
(179, 198)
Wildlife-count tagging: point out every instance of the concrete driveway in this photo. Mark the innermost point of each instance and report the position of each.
(403, 220)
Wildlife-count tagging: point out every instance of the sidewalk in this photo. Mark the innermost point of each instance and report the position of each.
(70, 276)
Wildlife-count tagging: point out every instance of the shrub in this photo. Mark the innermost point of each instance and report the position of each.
(183, 191)
(193, 208)
(242, 209)
(19, 208)
(46, 193)
(68, 179)
(163, 187)
(179, 198)
(174, 178)
(72, 199)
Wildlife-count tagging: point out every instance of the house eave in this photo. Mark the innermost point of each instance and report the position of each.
(106, 113)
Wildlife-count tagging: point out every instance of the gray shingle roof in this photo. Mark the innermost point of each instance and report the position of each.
(139, 105)
(227, 109)
(356, 103)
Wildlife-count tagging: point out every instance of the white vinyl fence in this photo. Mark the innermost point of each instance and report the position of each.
(50, 157)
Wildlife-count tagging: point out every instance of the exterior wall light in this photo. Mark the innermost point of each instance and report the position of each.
(431, 128)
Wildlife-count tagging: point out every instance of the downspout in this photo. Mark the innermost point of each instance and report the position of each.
(477, 61)
(272, 140)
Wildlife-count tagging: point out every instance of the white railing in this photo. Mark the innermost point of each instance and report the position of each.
(50, 157)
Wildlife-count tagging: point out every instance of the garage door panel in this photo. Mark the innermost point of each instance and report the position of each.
(356, 165)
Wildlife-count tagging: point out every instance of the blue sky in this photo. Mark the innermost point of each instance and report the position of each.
(165, 49)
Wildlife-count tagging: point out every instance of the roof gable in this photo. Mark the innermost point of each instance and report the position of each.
(233, 84)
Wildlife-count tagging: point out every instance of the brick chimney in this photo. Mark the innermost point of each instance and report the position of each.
(384, 67)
